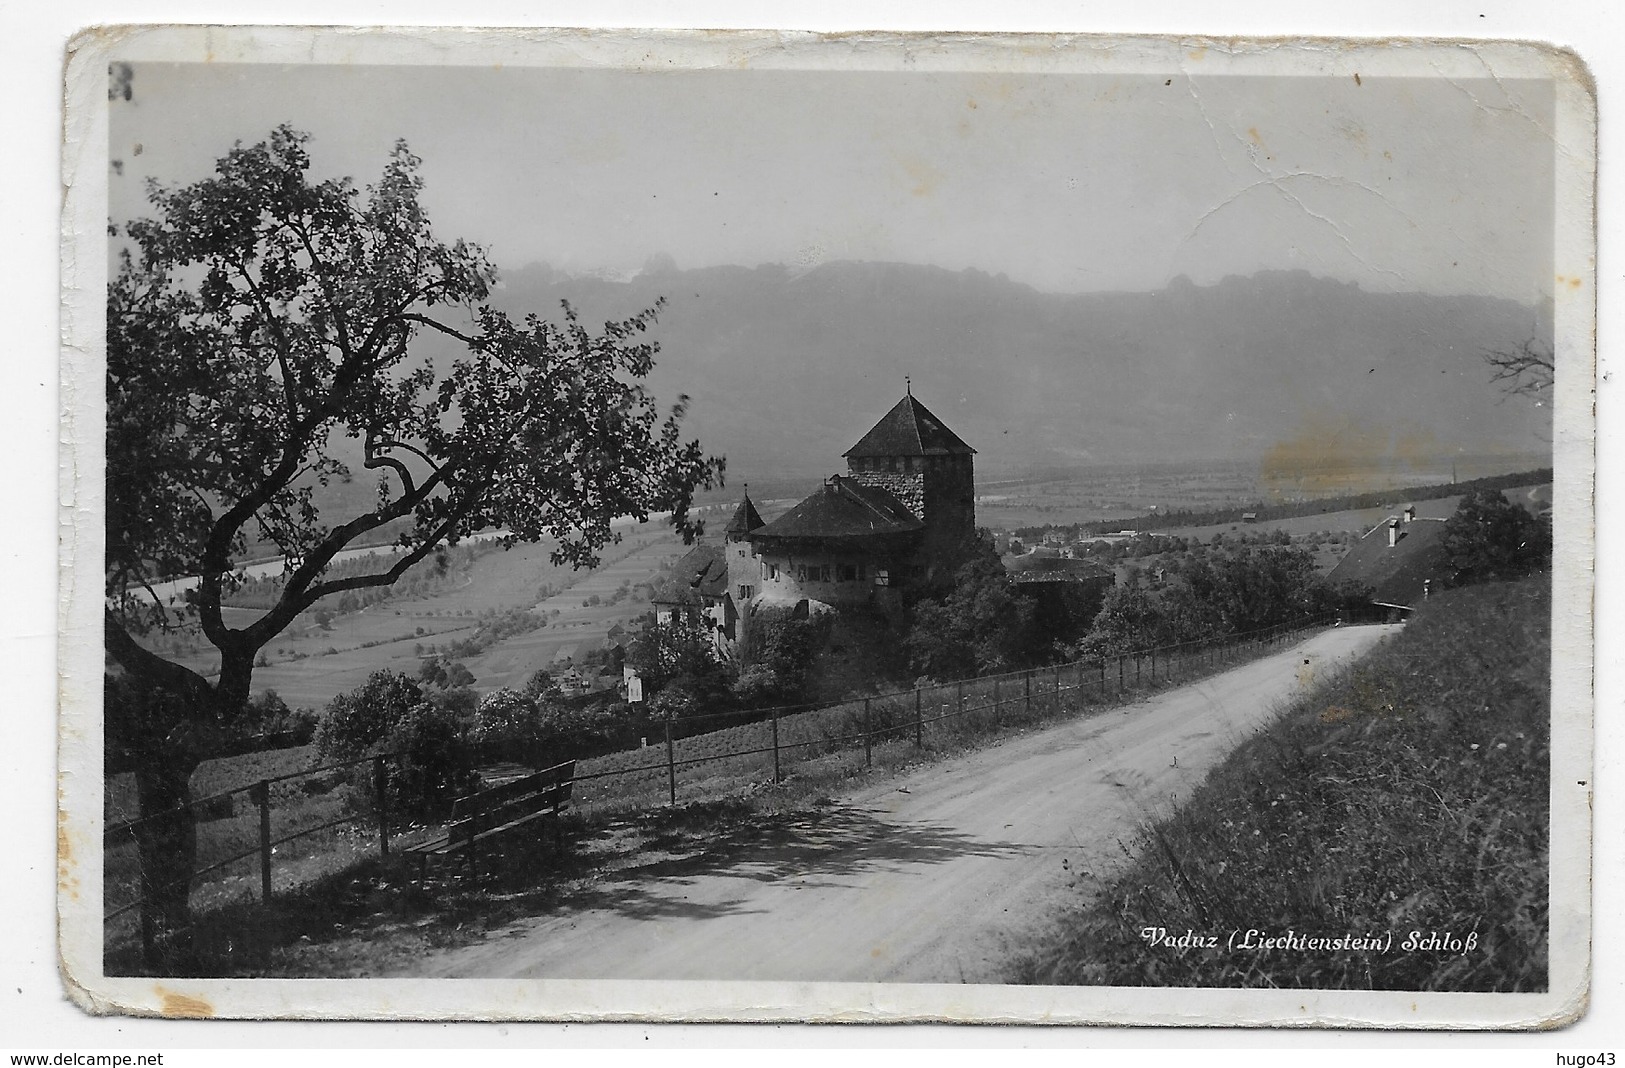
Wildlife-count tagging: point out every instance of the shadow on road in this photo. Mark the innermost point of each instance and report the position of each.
(648, 879)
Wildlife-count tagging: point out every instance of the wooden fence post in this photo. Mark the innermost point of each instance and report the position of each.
(998, 705)
(777, 777)
(1119, 674)
(671, 765)
(1027, 693)
(868, 751)
(262, 797)
(380, 786)
(919, 722)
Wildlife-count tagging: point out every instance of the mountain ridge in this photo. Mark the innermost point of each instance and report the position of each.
(787, 367)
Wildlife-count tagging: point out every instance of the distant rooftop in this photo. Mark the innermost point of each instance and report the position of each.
(909, 429)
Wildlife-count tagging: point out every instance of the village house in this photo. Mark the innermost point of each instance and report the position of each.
(697, 593)
(1402, 560)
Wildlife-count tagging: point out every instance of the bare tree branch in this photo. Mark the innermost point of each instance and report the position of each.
(1527, 369)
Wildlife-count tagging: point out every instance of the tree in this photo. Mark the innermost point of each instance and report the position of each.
(354, 723)
(1489, 537)
(1526, 368)
(265, 324)
(672, 649)
(506, 715)
(978, 625)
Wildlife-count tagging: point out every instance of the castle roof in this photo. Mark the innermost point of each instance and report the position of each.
(843, 508)
(909, 429)
(746, 518)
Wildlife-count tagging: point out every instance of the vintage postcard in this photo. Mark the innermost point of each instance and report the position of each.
(762, 526)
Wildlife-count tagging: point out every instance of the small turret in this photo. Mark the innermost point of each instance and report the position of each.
(746, 519)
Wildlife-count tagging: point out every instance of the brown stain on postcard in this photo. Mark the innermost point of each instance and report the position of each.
(67, 884)
(1329, 456)
(182, 1006)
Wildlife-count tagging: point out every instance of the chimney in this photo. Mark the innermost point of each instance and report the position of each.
(1410, 512)
(1393, 532)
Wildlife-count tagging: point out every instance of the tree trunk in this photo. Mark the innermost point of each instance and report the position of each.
(161, 721)
(166, 844)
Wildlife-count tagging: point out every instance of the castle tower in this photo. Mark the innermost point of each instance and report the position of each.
(925, 465)
(740, 555)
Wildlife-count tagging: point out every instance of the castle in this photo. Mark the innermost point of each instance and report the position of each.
(905, 507)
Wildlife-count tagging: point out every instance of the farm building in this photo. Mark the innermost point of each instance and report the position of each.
(1401, 559)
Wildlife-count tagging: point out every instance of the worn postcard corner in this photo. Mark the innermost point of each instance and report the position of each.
(666, 526)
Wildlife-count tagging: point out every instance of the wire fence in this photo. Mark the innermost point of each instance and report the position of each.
(288, 829)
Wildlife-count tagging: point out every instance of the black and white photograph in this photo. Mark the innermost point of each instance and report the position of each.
(879, 527)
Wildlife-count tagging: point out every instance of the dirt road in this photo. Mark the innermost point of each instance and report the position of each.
(929, 878)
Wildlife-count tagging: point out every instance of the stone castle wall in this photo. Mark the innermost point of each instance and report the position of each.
(908, 488)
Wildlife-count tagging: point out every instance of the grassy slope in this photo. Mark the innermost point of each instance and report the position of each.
(1409, 794)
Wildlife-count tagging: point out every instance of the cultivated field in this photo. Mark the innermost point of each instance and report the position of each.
(309, 666)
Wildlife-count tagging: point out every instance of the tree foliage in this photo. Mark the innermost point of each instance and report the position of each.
(357, 723)
(263, 315)
(506, 715)
(1489, 537)
(1207, 592)
(978, 625)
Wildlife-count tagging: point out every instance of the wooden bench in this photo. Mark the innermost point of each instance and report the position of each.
(496, 810)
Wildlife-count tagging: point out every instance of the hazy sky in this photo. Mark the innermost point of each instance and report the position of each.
(1066, 182)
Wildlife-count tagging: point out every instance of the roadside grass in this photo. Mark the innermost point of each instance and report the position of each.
(1408, 794)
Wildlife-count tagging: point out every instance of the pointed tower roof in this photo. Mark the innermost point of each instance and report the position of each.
(746, 518)
(909, 429)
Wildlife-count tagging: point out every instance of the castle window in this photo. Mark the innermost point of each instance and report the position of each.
(747, 592)
(801, 572)
(849, 573)
(772, 571)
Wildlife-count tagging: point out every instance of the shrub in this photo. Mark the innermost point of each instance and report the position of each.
(1489, 537)
(356, 722)
(506, 715)
(434, 768)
